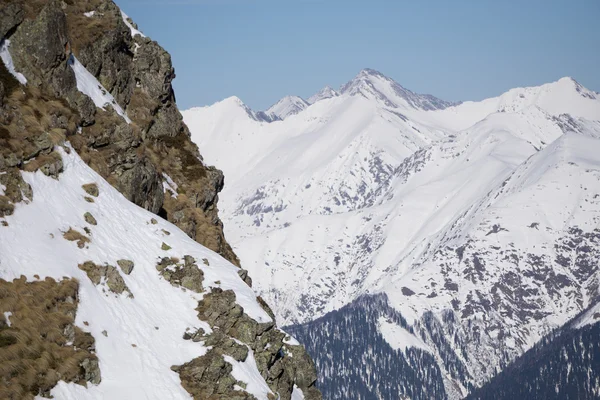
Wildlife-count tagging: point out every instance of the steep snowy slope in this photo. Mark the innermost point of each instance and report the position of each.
(146, 325)
(482, 212)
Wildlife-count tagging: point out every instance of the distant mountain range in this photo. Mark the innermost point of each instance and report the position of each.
(478, 223)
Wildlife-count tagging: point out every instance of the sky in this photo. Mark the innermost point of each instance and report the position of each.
(262, 50)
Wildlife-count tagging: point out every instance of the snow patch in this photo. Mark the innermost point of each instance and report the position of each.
(8, 61)
(134, 31)
(590, 317)
(297, 393)
(398, 337)
(91, 87)
(247, 372)
(7, 315)
(170, 185)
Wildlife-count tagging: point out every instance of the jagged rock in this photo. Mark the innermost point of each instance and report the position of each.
(209, 377)
(243, 273)
(280, 371)
(40, 46)
(126, 266)
(11, 15)
(142, 185)
(109, 58)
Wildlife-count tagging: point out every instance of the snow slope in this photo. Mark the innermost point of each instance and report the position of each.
(289, 105)
(155, 319)
(487, 211)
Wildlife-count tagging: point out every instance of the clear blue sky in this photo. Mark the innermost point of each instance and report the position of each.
(262, 50)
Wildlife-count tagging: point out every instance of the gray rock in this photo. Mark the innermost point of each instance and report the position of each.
(40, 50)
(243, 273)
(11, 15)
(142, 185)
(110, 58)
(92, 370)
(89, 218)
(126, 266)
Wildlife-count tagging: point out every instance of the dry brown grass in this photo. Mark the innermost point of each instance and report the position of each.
(34, 354)
(33, 114)
(142, 108)
(41, 160)
(75, 236)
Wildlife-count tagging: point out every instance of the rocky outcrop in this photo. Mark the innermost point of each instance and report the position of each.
(147, 155)
(138, 73)
(281, 363)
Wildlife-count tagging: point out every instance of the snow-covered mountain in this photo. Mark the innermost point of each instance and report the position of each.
(482, 217)
(326, 93)
(289, 105)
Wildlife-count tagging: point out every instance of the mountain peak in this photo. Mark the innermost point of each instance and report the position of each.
(373, 84)
(289, 105)
(326, 93)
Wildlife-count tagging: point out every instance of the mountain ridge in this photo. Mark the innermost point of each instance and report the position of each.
(358, 195)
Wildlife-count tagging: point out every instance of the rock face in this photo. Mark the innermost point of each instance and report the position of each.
(136, 157)
(146, 153)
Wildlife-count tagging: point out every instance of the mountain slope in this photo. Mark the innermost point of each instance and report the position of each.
(477, 220)
(563, 365)
(289, 105)
(326, 93)
(101, 296)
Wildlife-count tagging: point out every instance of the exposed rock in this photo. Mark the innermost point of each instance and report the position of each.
(89, 218)
(91, 189)
(97, 273)
(142, 185)
(126, 266)
(40, 50)
(11, 15)
(243, 273)
(281, 365)
(186, 274)
(92, 370)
